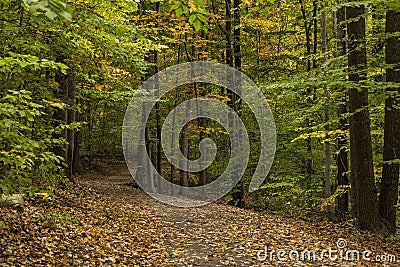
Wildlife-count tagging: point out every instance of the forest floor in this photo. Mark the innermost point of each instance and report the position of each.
(102, 221)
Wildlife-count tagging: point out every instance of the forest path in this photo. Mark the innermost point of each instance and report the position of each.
(105, 222)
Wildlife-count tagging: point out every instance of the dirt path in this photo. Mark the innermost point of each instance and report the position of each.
(105, 222)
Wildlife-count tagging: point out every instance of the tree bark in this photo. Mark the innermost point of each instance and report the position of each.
(77, 142)
(307, 27)
(185, 152)
(228, 33)
(391, 149)
(363, 191)
(157, 105)
(315, 34)
(327, 173)
(67, 116)
(342, 161)
(238, 191)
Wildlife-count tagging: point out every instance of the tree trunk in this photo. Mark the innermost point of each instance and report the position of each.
(172, 167)
(185, 152)
(144, 170)
(90, 132)
(77, 142)
(67, 116)
(327, 115)
(307, 28)
(238, 195)
(308, 34)
(228, 33)
(363, 191)
(342, 162)
(391, 149)
(157, 105)
(315, 34)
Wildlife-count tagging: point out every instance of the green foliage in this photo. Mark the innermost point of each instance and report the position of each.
(196, 12)
(104, 61)
(105, 49)
(24, 151)
(51, 8)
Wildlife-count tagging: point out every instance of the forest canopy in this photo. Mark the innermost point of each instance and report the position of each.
(330, 71)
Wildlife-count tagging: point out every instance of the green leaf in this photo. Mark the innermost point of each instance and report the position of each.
(192, 18)
(175, 6)
(179, 11)
(50, 14)
(197, 25)
(185, 9)
(201, 18)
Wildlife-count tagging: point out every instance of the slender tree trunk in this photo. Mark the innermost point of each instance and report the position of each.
(327, 115)
(90, 132)
(149, 175)
(158, 157)
(363, 191)
(184, 144)
(157, 106)
(185, 152)
(202, 173)
(238, 195)
(258, 53)
(236, 34)
(201, 125)
(228, 33)
(77, 142)
(143, 171)
(342, 157)
(172, 167)
(315, 33)
(71, 117)
(389, 192)
(307, 27)
(68, 93)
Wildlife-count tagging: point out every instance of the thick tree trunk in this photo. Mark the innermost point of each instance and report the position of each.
(363, 191)
(389, 192)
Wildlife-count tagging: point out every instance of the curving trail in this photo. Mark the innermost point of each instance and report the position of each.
(105, 222)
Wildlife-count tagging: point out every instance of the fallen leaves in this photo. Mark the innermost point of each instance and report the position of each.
(104, 222)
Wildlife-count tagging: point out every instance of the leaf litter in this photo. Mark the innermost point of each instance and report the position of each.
(103, 221)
